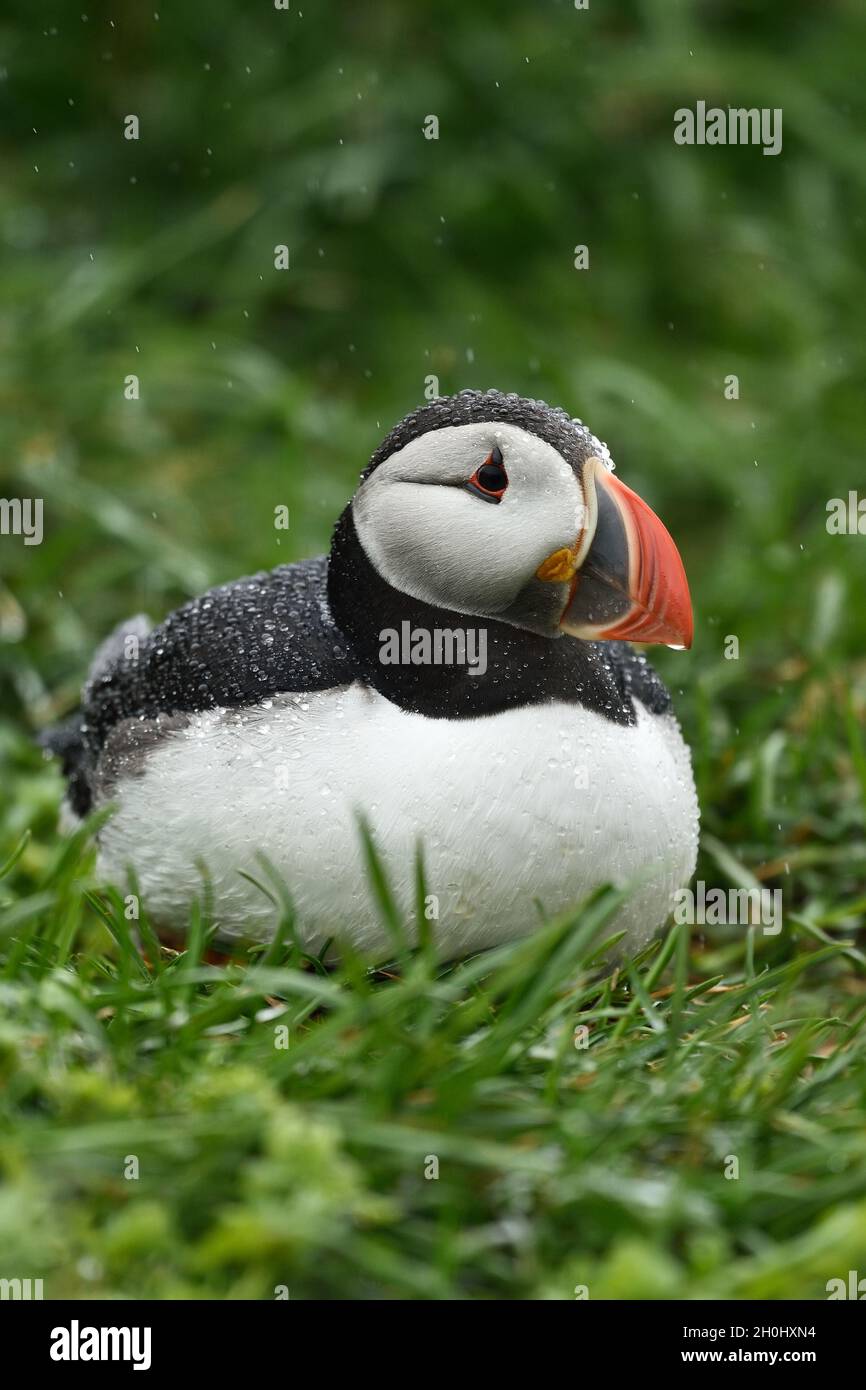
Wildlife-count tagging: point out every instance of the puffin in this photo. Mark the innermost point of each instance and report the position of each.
(456, 673)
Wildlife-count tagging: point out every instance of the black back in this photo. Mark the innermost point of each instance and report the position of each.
(318, 624)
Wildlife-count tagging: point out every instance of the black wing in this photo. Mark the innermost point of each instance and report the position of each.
(235, 645)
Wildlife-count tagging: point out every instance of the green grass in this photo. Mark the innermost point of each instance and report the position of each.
(558, 1165)
(282, 1118)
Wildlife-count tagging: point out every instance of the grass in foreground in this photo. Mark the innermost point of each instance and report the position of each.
(557, 1165)
(176, 1129)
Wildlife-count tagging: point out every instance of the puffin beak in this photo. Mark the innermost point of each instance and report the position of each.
(626, 579)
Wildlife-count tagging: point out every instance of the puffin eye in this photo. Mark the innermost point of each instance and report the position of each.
(490, 480)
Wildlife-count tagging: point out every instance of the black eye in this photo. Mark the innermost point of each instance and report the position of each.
(490, 480)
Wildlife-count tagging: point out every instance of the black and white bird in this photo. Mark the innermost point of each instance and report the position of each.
(457, 669)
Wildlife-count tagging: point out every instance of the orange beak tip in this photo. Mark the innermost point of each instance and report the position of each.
(649, 571)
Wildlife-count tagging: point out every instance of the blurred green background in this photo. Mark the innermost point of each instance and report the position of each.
(454, 258)
(412, 257)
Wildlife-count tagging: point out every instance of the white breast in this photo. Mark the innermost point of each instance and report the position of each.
(536, 804)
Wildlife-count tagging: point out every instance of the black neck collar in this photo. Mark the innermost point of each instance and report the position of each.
(522, 668)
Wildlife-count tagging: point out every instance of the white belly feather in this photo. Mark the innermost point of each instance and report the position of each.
(541, 803)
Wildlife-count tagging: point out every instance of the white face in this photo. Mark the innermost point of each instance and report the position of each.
(431, 537)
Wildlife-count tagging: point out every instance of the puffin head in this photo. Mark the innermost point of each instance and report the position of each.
(505, 508)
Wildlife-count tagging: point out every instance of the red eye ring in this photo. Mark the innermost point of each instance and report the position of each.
(490, 479)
